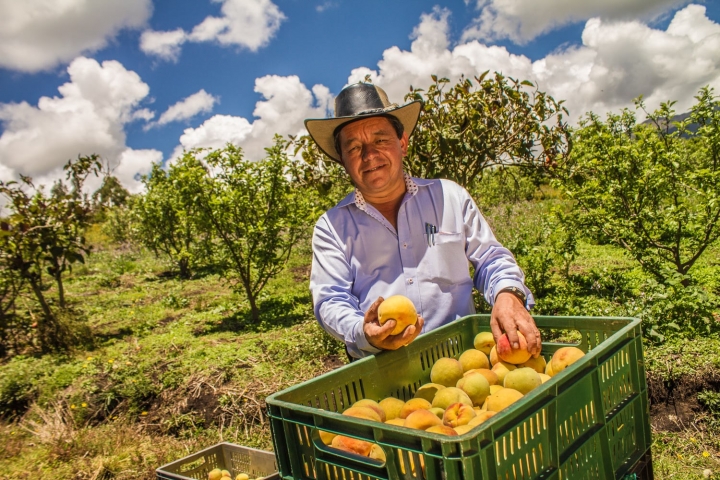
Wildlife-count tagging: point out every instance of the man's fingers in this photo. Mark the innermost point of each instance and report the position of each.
(496, 330)
(371, 314)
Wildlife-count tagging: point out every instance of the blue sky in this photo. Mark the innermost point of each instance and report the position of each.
(139, 80)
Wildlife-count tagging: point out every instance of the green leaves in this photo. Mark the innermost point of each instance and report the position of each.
(494, 123)
(651, 188)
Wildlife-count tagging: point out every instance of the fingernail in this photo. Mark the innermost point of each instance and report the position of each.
(516, 345)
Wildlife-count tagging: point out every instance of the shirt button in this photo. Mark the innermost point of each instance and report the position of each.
(404, 245)
(410, 281)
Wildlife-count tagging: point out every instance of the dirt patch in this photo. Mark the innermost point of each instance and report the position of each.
(674, 403)
(301, 273)
(331, 362)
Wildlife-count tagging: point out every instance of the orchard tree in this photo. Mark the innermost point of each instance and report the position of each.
(45, 234)
(652, 188)
(167, 223)
(254, 210)
(468, 128)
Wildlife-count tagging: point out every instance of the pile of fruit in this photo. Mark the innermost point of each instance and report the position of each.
(462, 393)
(217, 474)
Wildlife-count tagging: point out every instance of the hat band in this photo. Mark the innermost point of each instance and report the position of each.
(370, 111)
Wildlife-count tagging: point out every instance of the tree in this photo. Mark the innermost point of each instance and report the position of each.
(495, 123)
(110, 194)
(257, 214)
(168, 224)
(652, 188)
(46, 235)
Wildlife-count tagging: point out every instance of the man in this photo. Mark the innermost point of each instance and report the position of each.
(400, 235)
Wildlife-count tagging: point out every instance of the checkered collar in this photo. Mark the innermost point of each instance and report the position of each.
(410, 185)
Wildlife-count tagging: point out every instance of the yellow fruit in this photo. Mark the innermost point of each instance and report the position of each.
(458, 414)
(538, 364)
(564, 357)
(461, 429)
(225, 473)
(215, 474)
(398, 422)
(352, 445)
(447, 396)
(326, 437)
(377, 453)
(484, 342)
(489, 375)
(366, 413)
(502, 399)
(495, 388)
(391, 406)
(366, 402)
(548, 369)
(398, 308)
(412, 405)
(439, 412)
(501, 369)
(242, 476)
(446, 371)
(476, 386)
(442, 430)
(472, 359)
(422, 420)
(508, 354)
(493, 355)
(523, 380)
(480, 418)
(544, 377)
(428, 391)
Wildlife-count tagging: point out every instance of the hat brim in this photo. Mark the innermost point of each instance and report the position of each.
(322, 130)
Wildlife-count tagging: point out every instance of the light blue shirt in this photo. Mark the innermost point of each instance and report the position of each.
(358, 256)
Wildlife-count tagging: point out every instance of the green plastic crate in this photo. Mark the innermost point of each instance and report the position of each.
(225, 456)
(590, 421)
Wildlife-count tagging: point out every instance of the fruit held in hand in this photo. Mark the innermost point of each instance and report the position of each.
(513, 355)
(398, 308)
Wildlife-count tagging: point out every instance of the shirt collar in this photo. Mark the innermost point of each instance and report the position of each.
(410, 186)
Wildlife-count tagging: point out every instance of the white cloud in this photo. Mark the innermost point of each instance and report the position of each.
(246, 24)
(87, 117)
(616, 62)
(40, 34)
(523, 20)
(287, 103)
(325, 6)
(134, 163)
(199, 102)
(165, 45)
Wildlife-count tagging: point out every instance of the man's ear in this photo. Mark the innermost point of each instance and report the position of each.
(404, 142)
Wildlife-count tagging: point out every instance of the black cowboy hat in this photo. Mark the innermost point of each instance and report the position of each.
(360, 100)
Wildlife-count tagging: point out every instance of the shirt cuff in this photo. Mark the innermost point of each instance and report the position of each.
(502, 284)
(361, 343)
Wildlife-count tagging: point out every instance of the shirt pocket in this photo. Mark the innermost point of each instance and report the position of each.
(447, 263)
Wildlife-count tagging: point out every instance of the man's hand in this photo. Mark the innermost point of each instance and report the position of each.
(379, 335)
(510, 315)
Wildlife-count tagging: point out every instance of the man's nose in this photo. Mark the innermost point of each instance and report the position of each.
(369, 152)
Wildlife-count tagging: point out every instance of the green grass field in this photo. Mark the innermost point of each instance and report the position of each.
(175, 366)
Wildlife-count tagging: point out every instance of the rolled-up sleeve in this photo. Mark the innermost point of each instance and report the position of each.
(495, 266)
(336, 308)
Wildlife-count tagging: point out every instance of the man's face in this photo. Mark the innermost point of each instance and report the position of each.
(372, 155)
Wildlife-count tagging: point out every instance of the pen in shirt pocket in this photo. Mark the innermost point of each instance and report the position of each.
(430, 231)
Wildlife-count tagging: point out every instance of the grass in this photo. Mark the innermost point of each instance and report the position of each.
(176, 366)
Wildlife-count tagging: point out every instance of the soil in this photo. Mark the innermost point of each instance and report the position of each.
(674, 404)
